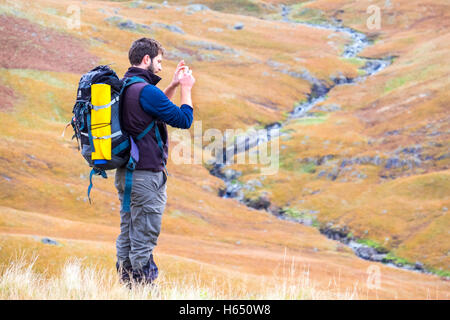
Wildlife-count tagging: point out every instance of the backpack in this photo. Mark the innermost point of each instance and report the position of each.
(123, 150)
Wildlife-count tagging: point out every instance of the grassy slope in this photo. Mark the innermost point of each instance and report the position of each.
(407, 215)
(45, 183)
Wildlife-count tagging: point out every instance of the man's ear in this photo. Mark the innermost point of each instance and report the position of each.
(147, 59)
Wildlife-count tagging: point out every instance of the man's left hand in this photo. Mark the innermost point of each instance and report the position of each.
(176, 76)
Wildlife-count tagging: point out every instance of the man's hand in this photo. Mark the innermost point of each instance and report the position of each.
(170, 90)
(176, 77)
(187, 80)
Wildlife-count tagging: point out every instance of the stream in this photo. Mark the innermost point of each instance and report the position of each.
(319, 91)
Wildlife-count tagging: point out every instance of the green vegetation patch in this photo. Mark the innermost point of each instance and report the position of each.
(316, 119)
(397, 260)
(310, 15)
(236, 6)
(308, 167)
(300, 214)
(372, 244)
(398, 82)
(441, 273)
(38, 75)
(395, 83)
(358, 62)
(288, 160)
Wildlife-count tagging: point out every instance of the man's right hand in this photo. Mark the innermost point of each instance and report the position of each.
(187, 80)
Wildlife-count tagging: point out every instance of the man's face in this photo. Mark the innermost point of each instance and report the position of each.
(156, 64)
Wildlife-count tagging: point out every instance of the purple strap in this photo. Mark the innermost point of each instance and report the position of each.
(134, 150)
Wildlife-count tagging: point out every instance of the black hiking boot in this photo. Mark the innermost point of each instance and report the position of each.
(125, 272)
(148, 274)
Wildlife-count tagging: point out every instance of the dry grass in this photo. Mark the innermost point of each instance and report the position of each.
(78, 281)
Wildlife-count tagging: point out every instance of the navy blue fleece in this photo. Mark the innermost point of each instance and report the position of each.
(156, 104)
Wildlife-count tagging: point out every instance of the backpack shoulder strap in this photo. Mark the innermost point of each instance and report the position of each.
(129, 81)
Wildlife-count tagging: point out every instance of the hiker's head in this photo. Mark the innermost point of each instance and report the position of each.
(147, 54)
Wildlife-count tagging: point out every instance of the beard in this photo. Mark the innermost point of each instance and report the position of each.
(151, 69)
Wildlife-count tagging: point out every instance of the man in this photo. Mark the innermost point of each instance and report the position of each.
(143, 103)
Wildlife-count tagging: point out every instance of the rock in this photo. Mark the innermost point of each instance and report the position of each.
(207, 57)
(49, 241)
(260, 203)
(393, 163)
(418, 265)
(366, 252)
(444, 156)
(176, 54)
(319, 89)
(135, 4)
(378, 257)
(254, 183)
(196, 7)
(322, 173)
(328, 108)
(392, 133)
(412, 150)
(238, 26)
(409, 267)
(128, 24)
(231, 174)
(324, 159)
(206, 45)
(232, 190)
(333, 174)
(171, 28)
(341, 79)
(275, 210)
(346, 162)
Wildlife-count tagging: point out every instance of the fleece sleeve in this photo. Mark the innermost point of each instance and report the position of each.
(156, 103)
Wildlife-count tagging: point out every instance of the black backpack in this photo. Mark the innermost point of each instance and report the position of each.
(121, 142)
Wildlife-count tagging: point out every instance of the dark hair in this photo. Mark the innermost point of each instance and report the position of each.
(141, 47)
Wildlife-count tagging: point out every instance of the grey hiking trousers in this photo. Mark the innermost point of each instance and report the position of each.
(140, 228)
